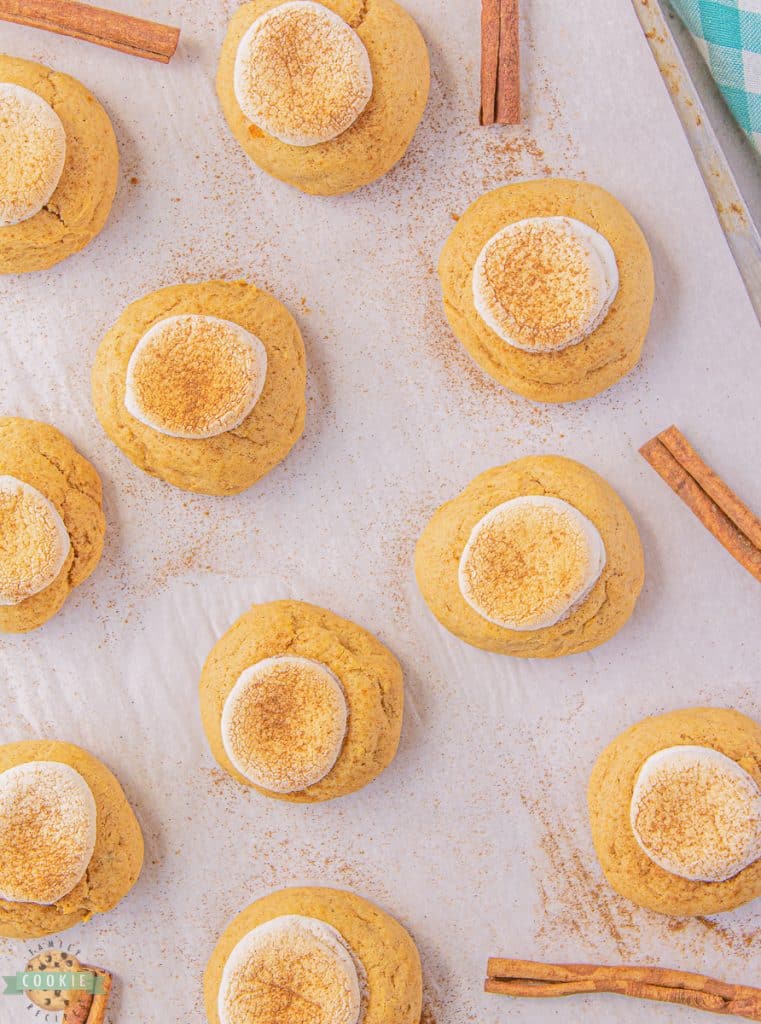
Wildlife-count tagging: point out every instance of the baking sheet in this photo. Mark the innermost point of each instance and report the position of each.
(476, 837)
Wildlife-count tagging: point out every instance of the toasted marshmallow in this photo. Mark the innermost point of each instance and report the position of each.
(291, 970)
(34, 542)
(696, 813)
(47, 831)
(302, 74)
(32, 153)
(529, 562)
(195, 376)
(284, 723)
(545, 283)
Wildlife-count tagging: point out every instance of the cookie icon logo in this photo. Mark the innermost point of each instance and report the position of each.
(52, 962)
(55, 981)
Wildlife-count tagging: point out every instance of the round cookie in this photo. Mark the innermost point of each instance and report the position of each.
(369, 675)
(117, 857)
(605, 355)
(40, 456)
(385, 952)
(52, 1000)
(229, 462)
(595, 619)
(378, 138)
(81, 202)
(627, 867)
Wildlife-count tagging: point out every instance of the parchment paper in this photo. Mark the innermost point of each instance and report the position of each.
(476, 837)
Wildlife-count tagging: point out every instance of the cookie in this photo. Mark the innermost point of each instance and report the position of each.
(536, 559)
(51, 514)
(203, 385)
(54, 198)
(89, 839)
(549, 286)
(675, 811)
(53, 1000)
(301, 704)
(322, 950)
(349, 113)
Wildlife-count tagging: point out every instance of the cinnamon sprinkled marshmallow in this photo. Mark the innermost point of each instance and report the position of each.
(302, 74)
(529, 561)
(32, 153)
(697, 813)
(294, 970)
(34, 542)
(545, 283)
(47, 831)
(284, 723)
(195, 376)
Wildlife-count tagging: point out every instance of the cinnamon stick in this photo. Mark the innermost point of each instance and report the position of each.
(87, 1008)
(97, 1013)
(490, 28)
(705, 493)
(500, 62)
(528, 979)
(712, 484)
(95, 25)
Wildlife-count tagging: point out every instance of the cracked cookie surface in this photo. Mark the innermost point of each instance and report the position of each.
(117, 857)
(627, 867)
(603, 611)
(604, 356)
(379, 137)
(80, 205)
(230, 462)
(370, 675)
(42, 457)
(384, 949)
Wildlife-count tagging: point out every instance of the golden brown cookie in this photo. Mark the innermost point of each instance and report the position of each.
(38, 456)
(116, 859)
(81, 202)
(508, 574)
(579, 370)
(385, 959)
(230, 461)
(325, 725)
(681, 831)
(379, 136)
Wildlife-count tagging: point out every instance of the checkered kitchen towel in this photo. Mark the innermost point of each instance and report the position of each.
(728, 33)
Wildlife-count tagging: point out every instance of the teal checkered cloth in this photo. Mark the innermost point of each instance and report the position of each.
(728, 33)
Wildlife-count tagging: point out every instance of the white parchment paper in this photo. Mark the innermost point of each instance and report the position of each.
(476, 837)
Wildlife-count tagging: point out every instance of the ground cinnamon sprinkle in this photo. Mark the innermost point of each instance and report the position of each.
(302, 74)
(575, 901)
(538, 286)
